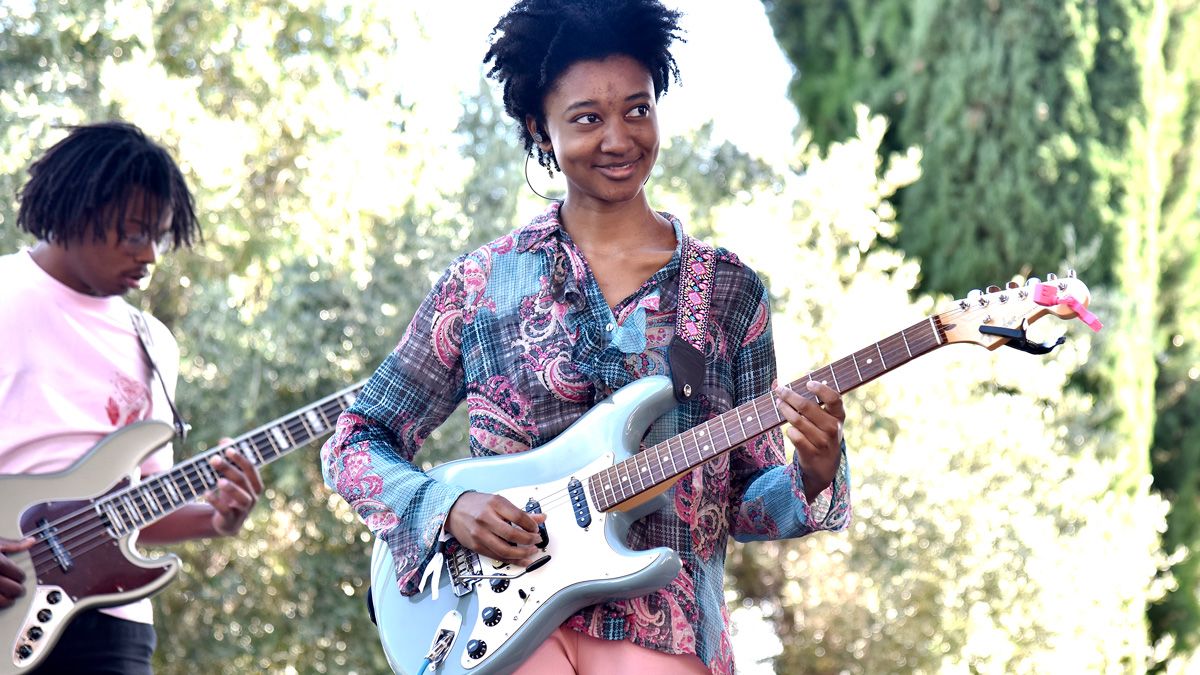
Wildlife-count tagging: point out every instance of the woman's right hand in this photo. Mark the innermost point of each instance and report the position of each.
(12, 579)
(492, 526)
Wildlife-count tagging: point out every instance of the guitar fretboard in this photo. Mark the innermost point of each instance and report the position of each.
(139, 505)
(677, 455)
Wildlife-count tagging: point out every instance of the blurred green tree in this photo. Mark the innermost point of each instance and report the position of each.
(1051, 133)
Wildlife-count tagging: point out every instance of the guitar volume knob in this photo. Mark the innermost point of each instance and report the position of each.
(491, 616)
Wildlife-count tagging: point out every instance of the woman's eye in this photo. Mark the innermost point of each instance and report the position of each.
(641, 110)
(589, 118)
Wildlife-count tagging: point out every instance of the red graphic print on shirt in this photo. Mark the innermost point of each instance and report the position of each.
(129, 402)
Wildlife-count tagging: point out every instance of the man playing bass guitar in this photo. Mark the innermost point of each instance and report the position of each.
(104, 203)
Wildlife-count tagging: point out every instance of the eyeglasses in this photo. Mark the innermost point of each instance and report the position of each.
(136, 243)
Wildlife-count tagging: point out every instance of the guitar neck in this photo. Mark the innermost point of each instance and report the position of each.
(162, 494)
(665, 461)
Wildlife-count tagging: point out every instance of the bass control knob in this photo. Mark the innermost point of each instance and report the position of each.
(476, 649)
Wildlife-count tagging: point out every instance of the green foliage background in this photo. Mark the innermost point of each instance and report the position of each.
(1003, 518)
(1050, 131)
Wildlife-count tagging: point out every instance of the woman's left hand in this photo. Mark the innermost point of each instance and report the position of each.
(815, 431)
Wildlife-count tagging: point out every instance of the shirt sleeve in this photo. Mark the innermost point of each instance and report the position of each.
(369, 458)
(767, 497)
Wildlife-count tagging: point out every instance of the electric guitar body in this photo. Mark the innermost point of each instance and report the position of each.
(583, 564)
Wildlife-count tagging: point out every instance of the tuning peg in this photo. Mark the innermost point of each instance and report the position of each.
(1012, 285)
(1032, 281)
(993, 289)
(1071, 273)
(1051, 276)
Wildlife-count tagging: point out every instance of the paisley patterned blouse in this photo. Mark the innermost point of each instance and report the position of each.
(520, 330)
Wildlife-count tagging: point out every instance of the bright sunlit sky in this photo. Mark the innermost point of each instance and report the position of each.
(732, 70)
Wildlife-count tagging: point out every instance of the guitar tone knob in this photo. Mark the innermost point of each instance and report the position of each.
(491, 616)
(53, 597)
(499, 585)
(35, 633)
(24, 652)
(476, 649)
(45, 615)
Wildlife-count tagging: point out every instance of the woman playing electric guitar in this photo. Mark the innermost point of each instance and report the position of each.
(537, 327)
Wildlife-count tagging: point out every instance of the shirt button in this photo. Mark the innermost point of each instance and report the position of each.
(609, 327)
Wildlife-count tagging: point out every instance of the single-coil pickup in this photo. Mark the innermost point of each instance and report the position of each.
(583, 514)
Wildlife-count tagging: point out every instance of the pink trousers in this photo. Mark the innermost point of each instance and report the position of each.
(567, 651)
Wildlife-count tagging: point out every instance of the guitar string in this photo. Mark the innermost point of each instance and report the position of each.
(894, 346)
(893, 350)
(760, 406)
(193, 470)
(553, 500)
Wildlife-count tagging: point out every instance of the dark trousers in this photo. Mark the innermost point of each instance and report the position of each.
(101, 644)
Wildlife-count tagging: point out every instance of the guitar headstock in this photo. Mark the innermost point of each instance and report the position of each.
(993, 317)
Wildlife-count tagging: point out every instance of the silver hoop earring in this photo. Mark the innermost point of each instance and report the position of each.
(527, 158)
(537, 137)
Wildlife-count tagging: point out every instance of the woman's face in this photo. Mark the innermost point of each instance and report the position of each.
(602, 124)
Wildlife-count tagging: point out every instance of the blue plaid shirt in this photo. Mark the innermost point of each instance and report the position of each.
(520, 330)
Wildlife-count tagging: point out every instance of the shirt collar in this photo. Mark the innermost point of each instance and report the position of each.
(540, 231)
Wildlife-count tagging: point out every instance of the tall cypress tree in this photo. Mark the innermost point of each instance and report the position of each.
(1051, 131)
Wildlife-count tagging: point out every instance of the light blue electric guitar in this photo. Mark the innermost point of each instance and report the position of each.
(477, 615)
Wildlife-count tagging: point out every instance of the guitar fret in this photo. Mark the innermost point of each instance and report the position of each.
(174, 495)
(724, 430)
(315, 422)
(645, 476)
(249, 452)
(737, 418)
(281, 439)
(701, 449)
(208, 475)
(156, 504)
(305, 427)
(856, 368)
(297, 430)
(274, 450)
(933, 328)
(115, 525)
(881, 359)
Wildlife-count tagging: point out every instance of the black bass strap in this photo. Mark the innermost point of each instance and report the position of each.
(145, 340)
(697, 271)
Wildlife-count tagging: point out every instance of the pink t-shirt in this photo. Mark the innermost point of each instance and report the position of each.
(71, 372)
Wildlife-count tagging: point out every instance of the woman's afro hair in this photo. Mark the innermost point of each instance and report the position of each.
(537, 40)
